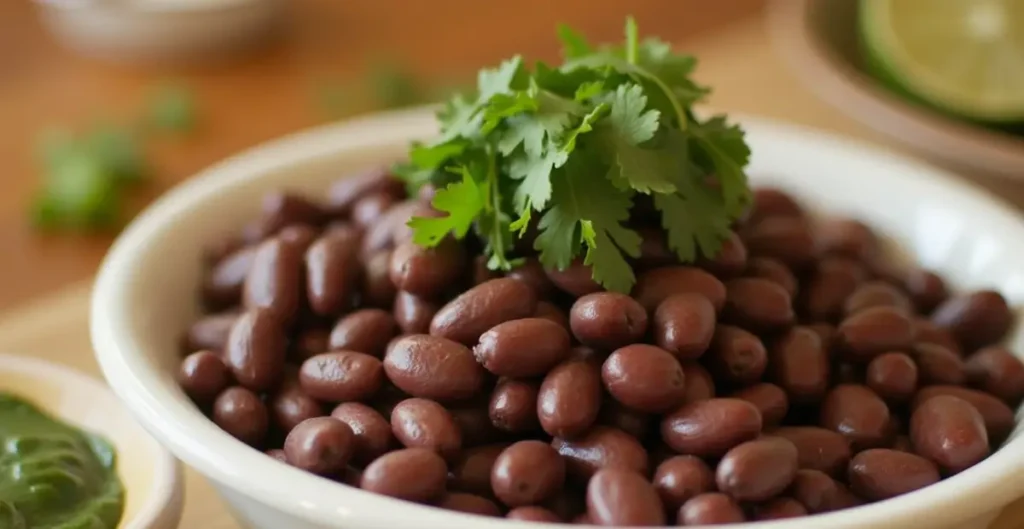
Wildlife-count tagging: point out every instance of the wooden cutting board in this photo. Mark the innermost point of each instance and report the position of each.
(739, 63)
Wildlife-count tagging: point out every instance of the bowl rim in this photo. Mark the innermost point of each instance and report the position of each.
(198, 442)
(162, 507)
(844, 87)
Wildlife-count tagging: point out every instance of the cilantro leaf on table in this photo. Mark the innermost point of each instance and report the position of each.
(172, 108)
(563, 151)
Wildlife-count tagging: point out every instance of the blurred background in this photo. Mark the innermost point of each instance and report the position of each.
(105, 104)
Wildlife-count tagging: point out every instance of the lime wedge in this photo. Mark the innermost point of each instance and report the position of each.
(965, 57)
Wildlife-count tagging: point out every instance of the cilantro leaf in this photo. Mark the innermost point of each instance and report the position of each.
(501, 80)
(461, 200)
(657, 57)
(694, 219)
(595, 208)
(724, 145)
(645, 168)
(172, 109)
(573, 44)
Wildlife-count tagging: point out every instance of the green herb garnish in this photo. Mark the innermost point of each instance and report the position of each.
(572, 147)
(172, 108)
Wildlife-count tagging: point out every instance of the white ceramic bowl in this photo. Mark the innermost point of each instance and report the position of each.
(151, 476)
(145, 296)
(140, 31)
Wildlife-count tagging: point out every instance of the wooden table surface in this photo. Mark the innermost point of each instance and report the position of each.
(269, 92)
(738, 61)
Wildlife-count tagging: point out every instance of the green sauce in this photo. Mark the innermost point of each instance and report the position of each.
(52, 475)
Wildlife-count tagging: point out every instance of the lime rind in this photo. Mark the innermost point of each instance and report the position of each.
(889, 59)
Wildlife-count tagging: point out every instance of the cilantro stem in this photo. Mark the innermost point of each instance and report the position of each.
(631, 40)
(497, 237)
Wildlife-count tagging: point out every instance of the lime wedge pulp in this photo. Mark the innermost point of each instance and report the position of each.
(965, 57)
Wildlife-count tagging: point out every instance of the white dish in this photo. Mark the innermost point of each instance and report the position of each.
(138, 31)
(151, 476)
(144, 297)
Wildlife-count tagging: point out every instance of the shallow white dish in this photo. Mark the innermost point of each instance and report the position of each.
(151, 476)
(144, 297)
(137, 31)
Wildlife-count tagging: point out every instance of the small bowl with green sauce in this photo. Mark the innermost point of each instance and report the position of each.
(71, 457)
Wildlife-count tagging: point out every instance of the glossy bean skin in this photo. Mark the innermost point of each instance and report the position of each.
(368, 210)
(758, 304)
(532, 273)
(995, 370)
(711, 508)
(341, 376)
(877, 294)
(550, 311)
(788, 239)
(376, 288)
(950, 432)
(607, 320)
(679, 478)
(522, 348)
(819, 493)
(203, 376)
(846, 236)
(533, 513)
(616, 415)
(371, 431)
(645, 378)
(570, 398)
(241, 413)
(210, 332)
(332, 272)
(433, 368)
(344, 193)
(712, 427)
(472, 470)
(773, 202)
(779, 509)
(998, 417)
(655, 286)
(513, 406)
(938, 365)
(833, 280)
(684, 325)
(699, 384)
(475, 424)
(412, 474)
(321, 445)
(366, 330)
(619, 497)
(412, 313)
(858, 414)
(481, 308)
(927, 332)
(757, 470)
(290, 406)
(527, 473)
(976, 320)
(427, 272)
(736, 355)
(775, 271)
(800, 364)
(256, 349)
(874, 331)
(731, 259)
(576, 279)
(817, 448)
(880, 474)
(223, 284)
(469, 504)
(422, 423)
(893, 376)
(601, 447)
(926, 288)
(275, 280)
(769, 399)
(392, 226)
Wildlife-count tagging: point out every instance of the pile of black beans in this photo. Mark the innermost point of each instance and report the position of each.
(796, 373)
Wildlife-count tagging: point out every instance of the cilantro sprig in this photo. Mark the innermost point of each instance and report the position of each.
(569, 148)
